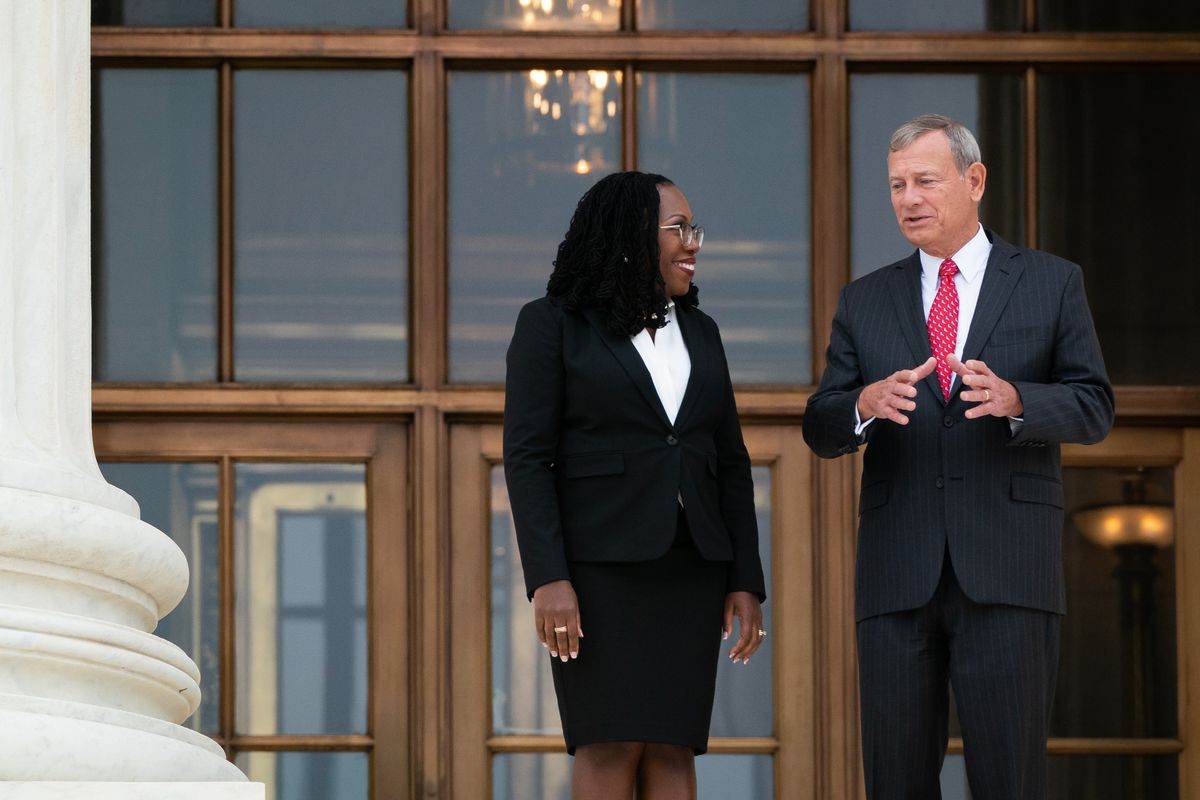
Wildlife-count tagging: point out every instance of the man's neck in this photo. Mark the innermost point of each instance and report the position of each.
(947, 252)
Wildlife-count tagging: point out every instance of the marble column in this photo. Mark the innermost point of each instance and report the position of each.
(90, 700)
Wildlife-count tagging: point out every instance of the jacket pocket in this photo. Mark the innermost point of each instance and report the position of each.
(873, 496)
(1027, 488)
(592, 465)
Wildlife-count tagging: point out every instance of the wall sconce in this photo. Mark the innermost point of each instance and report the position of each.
(1132, 522)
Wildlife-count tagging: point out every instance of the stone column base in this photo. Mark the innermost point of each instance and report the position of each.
(105, 790)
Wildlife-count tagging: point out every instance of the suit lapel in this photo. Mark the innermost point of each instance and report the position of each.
(689, 328)
(906, 298)
(999, 279)
(627, 355)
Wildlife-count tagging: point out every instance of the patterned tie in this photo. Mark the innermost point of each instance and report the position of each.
(943, 323)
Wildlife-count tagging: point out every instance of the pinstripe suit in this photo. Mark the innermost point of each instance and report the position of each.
(960, 521)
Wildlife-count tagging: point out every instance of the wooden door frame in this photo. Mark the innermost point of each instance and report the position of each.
(474, 450)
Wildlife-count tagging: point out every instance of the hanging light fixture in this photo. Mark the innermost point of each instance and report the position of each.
(566, 14)
(584, 102)
(1132, 522)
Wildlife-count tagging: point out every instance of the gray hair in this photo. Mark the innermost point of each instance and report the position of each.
(963, 146)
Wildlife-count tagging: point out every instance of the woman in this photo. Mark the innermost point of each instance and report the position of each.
(631, 491)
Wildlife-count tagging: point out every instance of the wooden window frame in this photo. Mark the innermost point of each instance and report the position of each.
(178, 422)
(383, 449)
(828, 51)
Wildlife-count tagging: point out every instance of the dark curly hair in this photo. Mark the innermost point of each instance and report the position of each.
(609, 257)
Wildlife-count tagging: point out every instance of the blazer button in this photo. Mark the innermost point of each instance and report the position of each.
(671, 440)
(939, 483)
(948, 421)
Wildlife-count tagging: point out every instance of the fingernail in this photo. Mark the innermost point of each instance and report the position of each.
(724, 635)
(554, 654)
(575, 654)
(564, 658)
(745, 660)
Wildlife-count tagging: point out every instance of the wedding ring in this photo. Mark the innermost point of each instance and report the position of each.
(761, 633)
(561, 629)
(987, 396)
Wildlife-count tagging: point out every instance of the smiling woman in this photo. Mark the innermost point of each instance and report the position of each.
(631, 489)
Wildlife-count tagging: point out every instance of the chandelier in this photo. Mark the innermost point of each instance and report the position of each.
(582, 102)
(567, 14)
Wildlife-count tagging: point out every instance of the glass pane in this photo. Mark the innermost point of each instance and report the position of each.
(936, 15)
(1118, 15)
(320, 13)
(954, 779)
(1117, 671)
(535, 15)
(1114, 777)
(720, 777)
(988, 104)
(309, 776)
(154, 12)
(181, 501)
(301, 567)
(524, 147)
(531, 776)
(321, 229)
(523, 699)
(753, 273)
(1095, 146)
(155, 213)
(745, 701)
(701, 15)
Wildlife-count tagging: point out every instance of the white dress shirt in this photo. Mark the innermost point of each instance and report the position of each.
(972, 260)
(666, 357)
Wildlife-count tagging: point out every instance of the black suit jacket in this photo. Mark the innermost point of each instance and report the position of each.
(996, 500)
(594, 467)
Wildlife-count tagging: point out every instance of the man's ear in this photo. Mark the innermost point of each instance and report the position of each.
(976, 178)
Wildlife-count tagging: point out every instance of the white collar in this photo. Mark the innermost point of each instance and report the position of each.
(971, 258)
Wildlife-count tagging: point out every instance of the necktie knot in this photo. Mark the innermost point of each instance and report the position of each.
(948, 269)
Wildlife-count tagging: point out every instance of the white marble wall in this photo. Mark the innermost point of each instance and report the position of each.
(88, 695)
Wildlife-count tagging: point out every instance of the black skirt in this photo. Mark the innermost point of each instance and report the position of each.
(647, 666)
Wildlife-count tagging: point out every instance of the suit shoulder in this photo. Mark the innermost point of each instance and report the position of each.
(541, 310)
(875, 280)
(1048, 266)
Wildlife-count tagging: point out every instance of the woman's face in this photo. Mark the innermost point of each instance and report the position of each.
(676, 262)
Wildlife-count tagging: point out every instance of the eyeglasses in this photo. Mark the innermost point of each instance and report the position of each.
(687, 233)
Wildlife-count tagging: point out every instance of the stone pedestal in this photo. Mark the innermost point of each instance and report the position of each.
(90, 699)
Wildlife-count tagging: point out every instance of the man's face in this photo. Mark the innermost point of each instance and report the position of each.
(937, 209)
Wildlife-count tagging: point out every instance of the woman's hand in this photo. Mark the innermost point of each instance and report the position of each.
(750, 619)
(556, 617)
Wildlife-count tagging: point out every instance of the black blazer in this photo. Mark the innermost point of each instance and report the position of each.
(594, 467)
(996, 500)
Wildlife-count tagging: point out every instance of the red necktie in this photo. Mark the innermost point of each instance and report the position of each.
(943, 323)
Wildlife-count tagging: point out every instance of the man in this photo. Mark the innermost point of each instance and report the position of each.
(962, 367)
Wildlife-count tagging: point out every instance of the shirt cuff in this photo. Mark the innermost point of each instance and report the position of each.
(859, 425)
(1015, 424)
